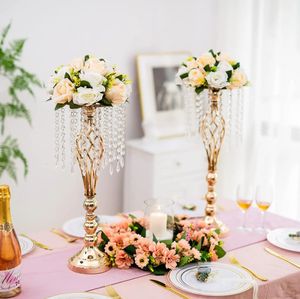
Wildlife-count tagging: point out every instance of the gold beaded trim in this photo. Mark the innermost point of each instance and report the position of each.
(6, 227)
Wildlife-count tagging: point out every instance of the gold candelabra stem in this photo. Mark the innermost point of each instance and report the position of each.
(212, 130)
(90, 150)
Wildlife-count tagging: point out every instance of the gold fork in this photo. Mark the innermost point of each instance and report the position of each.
(69, 239)
(234, 261)
(111, 292)
(36, 243)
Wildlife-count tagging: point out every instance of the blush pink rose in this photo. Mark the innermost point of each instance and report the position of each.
(123, 260)
(63, 91)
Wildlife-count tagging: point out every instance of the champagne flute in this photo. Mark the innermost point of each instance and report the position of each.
(263, 199)
(244, 201)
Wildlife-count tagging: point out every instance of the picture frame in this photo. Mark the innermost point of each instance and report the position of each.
(162, 102)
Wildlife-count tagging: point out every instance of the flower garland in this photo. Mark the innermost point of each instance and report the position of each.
(126, 245)
(213, 71)
(87, 81)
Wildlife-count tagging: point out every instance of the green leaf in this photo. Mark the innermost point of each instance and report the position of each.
(86, 84)
(167, 242)
(67, 76)
(184, 260)
(207, 68)
(4, 34)
(154, 239)
(235, 66)
(212, 53)
(130, 250)
(184, 75)
(213, 68)
(132, 216)
(159, 270)
(86, 57)
(58, 106)
(199, 89)
(218, 230)
(72, 105)
(229, 74)
(105, 102)
(220, 251)
(104, 237)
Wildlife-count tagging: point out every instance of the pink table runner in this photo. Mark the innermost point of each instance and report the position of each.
(48, 275)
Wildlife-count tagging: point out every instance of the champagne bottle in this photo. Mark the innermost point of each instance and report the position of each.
(10, 251)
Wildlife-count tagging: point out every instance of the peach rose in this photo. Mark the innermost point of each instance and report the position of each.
(206, 59)
(123, 260)
(77, 64)
(118, 93)
(96, 65)
(196, 77)
(238, 79)
(63, 91)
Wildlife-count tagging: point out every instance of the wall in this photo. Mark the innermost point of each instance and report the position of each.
(57, 31)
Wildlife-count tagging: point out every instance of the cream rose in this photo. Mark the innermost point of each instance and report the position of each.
(88, 96)
(77, 64)
(225, 57)
(63, 91)
(95, 79)
(238, 79)
(191, 64)
(95, 65)
(206, 59)
(118, 93)
(217, 80)
(196, 77)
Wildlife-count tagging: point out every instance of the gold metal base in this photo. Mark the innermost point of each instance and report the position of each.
(89, 260)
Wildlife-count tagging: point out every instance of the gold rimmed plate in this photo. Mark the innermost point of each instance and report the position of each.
(224, 280)
(79, 296)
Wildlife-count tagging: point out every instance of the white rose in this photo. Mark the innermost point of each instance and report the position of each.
(95, 79)
(196, 77)
(238, 79)
(206, 59)
(88, 96)
(181, 70)
(224, 66)
(96, 65)
(77, 64)
(63, 91)
(225, 57)
(118, 93)
(217, 80)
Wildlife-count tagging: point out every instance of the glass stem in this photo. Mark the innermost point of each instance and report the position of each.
(244, 220)
(263, 220)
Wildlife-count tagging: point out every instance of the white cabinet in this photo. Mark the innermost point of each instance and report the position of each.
(164, 169)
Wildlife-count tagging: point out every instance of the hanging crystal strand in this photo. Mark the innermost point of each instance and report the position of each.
(73, 135)
(122, 133)
(118, 137)
(229, 121)
(97, 152)
(240, 115)
(63, 136)
(104, 129)
(57, 136)
(110, 133)
(199, 103)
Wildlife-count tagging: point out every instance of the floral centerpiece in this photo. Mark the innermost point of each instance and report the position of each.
(126, 245)
(86, 81)
(212, 70)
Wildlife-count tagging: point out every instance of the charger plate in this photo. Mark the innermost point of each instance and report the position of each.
(224, 280)
(25, 244)
(79, 296)
(74, 227)
(280, 238)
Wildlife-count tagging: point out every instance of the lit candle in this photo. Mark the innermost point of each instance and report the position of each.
(158, 224)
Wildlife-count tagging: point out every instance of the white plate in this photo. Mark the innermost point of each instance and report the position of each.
(74, 227)
(79, 296)
(280, 237)
(25, 244)
(224, 280)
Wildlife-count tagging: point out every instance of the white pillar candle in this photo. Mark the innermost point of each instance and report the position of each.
(158, 224)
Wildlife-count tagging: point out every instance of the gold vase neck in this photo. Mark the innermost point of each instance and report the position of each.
(5, 215)
(214, 95)
(89, 111)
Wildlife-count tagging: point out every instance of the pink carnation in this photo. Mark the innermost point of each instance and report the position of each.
(195, 253)
(159, 252)
(123, 260)
(144, 245)
(183, 245)
(171, 259)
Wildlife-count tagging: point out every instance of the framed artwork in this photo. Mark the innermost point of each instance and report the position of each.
(162, 100)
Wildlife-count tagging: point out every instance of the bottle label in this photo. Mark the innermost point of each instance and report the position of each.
(10, 279)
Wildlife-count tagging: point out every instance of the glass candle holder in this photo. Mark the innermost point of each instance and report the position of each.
(159, 217)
